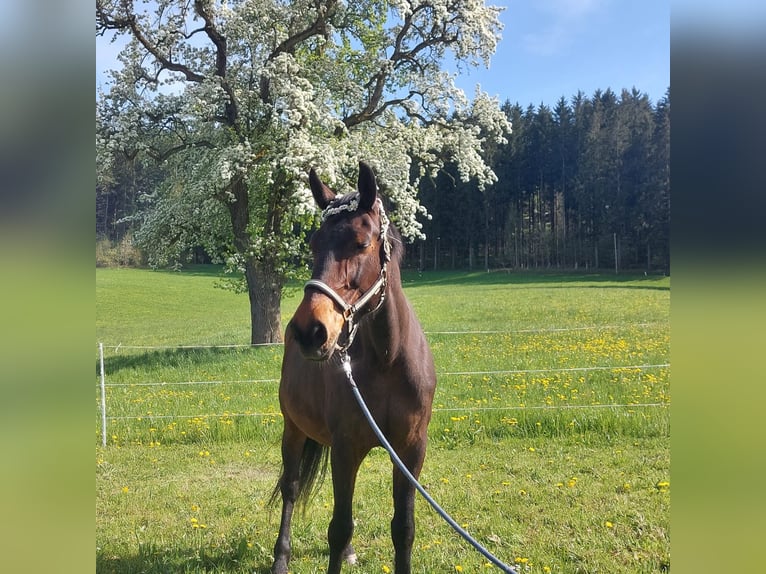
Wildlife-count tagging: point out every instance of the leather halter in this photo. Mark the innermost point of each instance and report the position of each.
(350, 311)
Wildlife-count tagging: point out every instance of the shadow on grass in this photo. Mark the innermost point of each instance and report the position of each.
(197, 270)
(173, 358)
(233, 558)
(532, 279)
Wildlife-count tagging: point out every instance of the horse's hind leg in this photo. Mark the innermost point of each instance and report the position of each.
(403, 523)
(345, 465)
(293, 441)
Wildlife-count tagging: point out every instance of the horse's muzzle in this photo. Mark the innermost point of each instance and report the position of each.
(313, 341)
(316, 326)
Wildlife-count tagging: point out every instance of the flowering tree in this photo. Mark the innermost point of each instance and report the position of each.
(240, 98)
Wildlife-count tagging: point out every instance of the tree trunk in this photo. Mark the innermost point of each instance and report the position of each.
(264, 288)
(486, 237)
(264, 284)
(595, 252)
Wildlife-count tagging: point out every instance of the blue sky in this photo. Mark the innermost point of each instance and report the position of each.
(553, 48)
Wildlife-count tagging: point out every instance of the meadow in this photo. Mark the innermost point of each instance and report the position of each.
(549, 440)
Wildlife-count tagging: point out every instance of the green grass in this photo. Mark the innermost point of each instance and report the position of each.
(539, 465)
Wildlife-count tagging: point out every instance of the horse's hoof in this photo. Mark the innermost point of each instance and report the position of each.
(349, 555)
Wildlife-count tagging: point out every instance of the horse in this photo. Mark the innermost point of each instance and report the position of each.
(353, 305)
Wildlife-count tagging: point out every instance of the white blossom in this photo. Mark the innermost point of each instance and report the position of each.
(315, 90)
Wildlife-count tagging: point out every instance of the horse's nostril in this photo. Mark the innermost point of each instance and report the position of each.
(317, 335)
(312, 338)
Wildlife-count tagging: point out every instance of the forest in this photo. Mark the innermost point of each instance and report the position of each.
(582, 185)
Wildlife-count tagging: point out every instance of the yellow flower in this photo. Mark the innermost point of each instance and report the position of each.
(608, 524)
(458, 568)
(125, 489)
(386, 569)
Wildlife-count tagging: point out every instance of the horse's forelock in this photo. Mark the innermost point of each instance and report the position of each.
(345, 203)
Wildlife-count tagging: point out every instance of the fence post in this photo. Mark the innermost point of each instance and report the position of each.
(103, 394)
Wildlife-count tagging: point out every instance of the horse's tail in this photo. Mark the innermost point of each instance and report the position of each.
(311, 472)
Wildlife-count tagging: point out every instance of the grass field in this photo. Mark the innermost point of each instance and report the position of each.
(549, 441)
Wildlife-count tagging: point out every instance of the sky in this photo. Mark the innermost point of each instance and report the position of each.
(555, 48)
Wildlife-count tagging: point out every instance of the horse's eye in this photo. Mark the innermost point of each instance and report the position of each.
(362, 245)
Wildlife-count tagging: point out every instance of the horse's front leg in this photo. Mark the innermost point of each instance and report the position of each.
(293, 441)
(345, 464)
(403, 523)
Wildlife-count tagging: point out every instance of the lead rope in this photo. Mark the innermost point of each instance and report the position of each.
(346, 364)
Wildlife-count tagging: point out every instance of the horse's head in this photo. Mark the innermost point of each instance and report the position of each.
(351, 250)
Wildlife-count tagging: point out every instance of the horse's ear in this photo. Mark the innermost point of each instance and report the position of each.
(323, 195)
(368, 189)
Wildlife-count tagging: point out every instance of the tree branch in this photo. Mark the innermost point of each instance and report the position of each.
(105, 21)
(288, 45)
(161, 156)
(401, 56)
(221, 56)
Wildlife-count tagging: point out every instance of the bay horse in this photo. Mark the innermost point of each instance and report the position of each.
(353, 304)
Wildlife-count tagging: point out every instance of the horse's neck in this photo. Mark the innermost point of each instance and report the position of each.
(387, 329)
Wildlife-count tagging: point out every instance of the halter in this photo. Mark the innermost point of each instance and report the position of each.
(349, 312)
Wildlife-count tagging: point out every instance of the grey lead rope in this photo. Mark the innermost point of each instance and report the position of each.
(346, 363)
